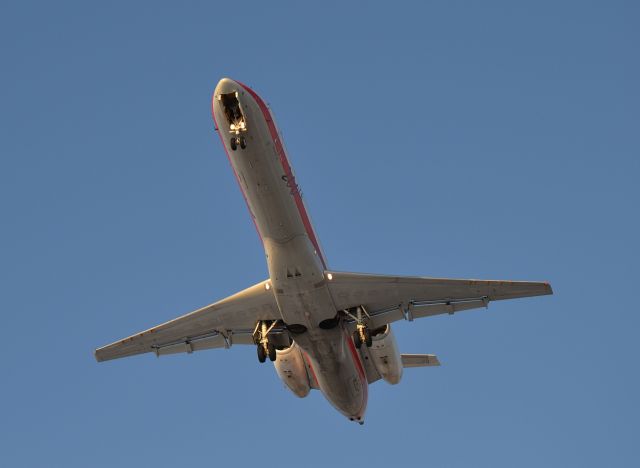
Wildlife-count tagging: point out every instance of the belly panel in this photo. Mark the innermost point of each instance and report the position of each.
(337, 369)
(263, 168)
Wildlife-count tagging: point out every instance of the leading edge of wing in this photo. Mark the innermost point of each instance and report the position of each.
(380, 292)
(238, 311)
(501, 289)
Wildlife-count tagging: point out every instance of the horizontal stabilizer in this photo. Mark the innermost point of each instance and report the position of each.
(419, 360)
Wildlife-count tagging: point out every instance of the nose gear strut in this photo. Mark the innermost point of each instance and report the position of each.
(362, 333)
(261, 339)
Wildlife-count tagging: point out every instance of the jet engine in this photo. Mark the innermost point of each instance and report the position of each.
(291, 368)
(384, 354)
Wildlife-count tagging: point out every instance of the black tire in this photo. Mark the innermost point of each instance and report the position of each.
(367, 338)
(272, 352)
(262, 356)
(234, 143)
(243, 143)
(356, 340)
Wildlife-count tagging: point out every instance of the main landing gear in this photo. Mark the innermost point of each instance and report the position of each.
(362, 335)
(264, 351)
(261, 339)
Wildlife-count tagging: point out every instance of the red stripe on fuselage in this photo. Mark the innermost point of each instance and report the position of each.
(313, 372)
(287, 170)
(361, 373)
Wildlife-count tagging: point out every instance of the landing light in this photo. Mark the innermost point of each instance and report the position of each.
(329, 276)
(233, 127)
(267, 286)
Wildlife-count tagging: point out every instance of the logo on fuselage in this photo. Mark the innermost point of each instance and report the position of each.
(292, 185)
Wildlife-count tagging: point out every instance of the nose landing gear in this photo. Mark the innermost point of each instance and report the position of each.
(235, 118)
(261, 339)
(235, 141)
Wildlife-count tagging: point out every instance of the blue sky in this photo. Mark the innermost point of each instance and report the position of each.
(493, 140)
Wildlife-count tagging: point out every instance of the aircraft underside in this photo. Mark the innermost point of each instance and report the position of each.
(322, 329)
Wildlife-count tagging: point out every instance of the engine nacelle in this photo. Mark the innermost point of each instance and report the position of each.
(385, 355)
(292, 369)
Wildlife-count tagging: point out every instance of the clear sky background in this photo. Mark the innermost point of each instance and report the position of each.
(495, 140)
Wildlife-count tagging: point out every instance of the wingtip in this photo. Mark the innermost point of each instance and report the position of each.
(97, 356)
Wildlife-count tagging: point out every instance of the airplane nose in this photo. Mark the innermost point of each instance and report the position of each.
(225, 86)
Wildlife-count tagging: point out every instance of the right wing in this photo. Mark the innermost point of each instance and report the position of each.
(389, 298)
(231, 320)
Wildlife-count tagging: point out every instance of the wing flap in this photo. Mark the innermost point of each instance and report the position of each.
(216, 340)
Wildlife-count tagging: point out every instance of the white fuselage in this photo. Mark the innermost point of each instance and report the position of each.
(294, 257)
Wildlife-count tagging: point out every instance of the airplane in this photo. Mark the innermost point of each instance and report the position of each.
(322, 329)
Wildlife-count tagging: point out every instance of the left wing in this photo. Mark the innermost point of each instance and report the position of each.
(231, 320)
(390, 298)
